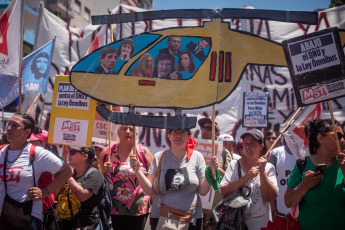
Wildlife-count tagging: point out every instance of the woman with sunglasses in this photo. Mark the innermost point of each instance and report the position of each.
(20, 197)
(270, 137)
(181, 178)
(131, 206)
(320, 193)
(78, 200)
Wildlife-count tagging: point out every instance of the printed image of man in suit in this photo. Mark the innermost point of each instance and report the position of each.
(198, 49)
(108, 60)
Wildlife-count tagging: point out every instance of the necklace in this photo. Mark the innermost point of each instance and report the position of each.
(15, 158)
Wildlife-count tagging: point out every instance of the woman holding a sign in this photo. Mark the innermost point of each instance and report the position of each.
(131, 206)
(256, 175)
(23, 163)
(175, 178)
(316, 182)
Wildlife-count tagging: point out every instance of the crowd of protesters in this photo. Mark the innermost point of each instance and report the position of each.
(40, 190)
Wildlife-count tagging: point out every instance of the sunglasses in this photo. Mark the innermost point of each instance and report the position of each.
(73, 151)
(340, 135)
(208, 128)
(271, 138)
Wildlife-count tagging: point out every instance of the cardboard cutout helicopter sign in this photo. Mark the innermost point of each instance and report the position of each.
(146, 71)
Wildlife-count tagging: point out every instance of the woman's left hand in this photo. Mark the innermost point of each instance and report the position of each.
(35, 193)
(214, 162)
(262, 163)
(341, 161)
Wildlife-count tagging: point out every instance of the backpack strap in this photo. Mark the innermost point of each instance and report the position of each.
(301, 164)
(239, 169)
(159, 172)
(32, 158)
(141, 153)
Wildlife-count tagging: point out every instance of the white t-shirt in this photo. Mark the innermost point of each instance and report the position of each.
(283, 160)
(19, 174)
(257, 212)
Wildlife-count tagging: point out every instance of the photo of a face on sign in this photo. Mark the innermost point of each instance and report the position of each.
(317, 66)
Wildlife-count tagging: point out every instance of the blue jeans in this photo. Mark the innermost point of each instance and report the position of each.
(99, 226)
(36, 224)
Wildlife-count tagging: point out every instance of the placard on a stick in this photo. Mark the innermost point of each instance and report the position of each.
(255, 109)
(317, 66)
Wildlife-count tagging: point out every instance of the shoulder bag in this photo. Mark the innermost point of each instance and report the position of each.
(170, 218)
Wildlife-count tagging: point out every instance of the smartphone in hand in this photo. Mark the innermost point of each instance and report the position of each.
(320, 168)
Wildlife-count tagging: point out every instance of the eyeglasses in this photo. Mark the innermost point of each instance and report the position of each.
(271, 138)
(340, 135)
(208, 128)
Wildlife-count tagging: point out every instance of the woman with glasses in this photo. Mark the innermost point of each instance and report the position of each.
(317, 185)
(181, 178)
(22, 164)
(78, 200)
(131, 206)
(258, 175)
(270, 137)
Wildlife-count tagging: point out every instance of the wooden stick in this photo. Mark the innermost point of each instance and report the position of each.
(213, 138)
(109, 137)
(111, 106)
(3, 120)
(34, 102)
(21, 57)
(280, 135)
(334, 128)
(111, 29)
(134, 137)
(44, 101)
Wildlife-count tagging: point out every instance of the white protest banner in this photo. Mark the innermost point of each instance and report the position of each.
(275, 80)
(294, 135)
(205, 148)
(255, 109)
(72, 116)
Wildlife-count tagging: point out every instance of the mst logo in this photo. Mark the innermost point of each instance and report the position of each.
(313, 93)
(70, 126)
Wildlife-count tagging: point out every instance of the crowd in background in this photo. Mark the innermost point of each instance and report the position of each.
(126, 187)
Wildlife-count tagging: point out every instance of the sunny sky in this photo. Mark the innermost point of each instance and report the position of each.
(288, 5)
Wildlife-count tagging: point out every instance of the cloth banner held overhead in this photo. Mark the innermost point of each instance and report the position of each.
(295, 137)
(36, 69)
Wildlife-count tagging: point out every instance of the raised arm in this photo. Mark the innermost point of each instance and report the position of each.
(145, 182)
(268, 191)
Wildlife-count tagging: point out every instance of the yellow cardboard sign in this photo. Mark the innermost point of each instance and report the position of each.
(72, 115)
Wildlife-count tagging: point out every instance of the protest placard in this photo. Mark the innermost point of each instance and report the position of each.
(205, 148)
(72, 116)
(255, 109)
(317, 65)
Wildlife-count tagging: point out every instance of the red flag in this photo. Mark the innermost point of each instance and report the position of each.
(99, 41)
(11, 38)
(295, 137)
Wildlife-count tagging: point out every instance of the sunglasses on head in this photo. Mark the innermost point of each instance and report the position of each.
(271, 138)
(340, 135)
